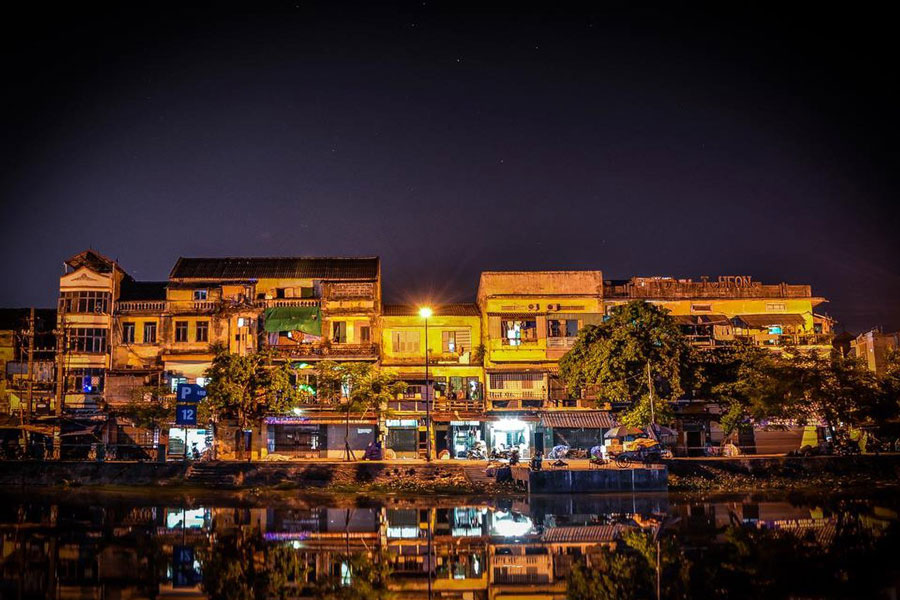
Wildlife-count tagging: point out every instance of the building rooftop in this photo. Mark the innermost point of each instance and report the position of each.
(444, 310)
(363, 268)
(540, 283)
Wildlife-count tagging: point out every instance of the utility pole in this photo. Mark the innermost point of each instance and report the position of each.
(650, 388)
(30, 366)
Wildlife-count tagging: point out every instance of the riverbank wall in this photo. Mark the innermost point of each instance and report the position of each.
(747, 473)
(325, 476)
(714, 474)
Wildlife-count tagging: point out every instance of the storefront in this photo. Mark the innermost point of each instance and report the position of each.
(459, 438)
(318, 436)
(198, 441)
(508, 433)
(577, 429)
(405, 437)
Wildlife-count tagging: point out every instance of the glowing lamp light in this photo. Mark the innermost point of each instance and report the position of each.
(425, 312)
(297, 411)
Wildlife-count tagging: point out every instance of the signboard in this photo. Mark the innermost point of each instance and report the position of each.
(190, 392)
(185, 414)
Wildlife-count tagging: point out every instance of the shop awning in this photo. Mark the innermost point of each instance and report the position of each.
(701, 319)
(293, 318)
(320, 420)
(578, 419)
(763, 321)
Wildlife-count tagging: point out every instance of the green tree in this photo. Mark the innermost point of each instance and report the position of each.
(150, 407)
(247, 387)
(832, 388)
(358, 388)
(613, 358)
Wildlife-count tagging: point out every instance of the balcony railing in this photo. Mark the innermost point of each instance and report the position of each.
(141, 306)
(278, 302)
(516, 399)
(171, 306)
(335, 351)
(561, 342)
(407, 404)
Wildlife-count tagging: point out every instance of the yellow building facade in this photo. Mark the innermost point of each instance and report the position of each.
(492, 376)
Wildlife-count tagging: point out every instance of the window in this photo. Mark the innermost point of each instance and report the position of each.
(85, 380)
(405, 341)
(149, 333)
(516, 332)
(365, 334)
(448, 341)
(128, 332)
(87, 340)
(200, 294)
(562, 328)
(775, 307)
(202, 331)
(501, 381)
(339, 332)
(85, 302)
(181, 331)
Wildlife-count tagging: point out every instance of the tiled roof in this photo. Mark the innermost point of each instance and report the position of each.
(455, 310)
(143, 290)
(578, 419)
(279, 268)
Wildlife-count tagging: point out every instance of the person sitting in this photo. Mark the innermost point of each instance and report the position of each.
(536, 461)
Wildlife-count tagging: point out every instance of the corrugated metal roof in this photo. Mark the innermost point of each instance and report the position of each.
(575, 534)
(578, 419)
(275, 268)
(445, 310)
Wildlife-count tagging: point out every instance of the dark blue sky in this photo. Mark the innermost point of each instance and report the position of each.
(451, 139)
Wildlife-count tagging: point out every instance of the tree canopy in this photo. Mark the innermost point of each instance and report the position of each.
(613, 358)
(246, 387)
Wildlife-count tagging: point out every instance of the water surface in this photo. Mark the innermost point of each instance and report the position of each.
(95, 545)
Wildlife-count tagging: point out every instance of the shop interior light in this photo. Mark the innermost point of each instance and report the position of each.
(509, 425)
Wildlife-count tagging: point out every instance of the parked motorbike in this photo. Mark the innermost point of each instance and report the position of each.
(476, 454)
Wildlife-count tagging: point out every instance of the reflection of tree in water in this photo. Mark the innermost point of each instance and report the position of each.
(745, 562)
(239, 565)
(361, 576)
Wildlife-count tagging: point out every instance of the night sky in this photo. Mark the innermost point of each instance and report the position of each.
(733, 139)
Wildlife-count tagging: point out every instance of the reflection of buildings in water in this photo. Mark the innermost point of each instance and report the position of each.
(466, 552)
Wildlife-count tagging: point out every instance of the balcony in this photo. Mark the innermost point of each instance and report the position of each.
(516, 399)
(166, 306)
(279, 302)
(417, 404)
(332, 352)
(141, 306)
(560, 343)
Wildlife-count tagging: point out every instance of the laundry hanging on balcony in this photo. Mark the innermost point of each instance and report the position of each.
(294, 318)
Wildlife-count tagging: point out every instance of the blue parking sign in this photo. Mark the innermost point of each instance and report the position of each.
(190, 392)
(185, 414)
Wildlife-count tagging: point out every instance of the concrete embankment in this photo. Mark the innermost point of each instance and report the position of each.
(324, 476)
(725, 475)
(782, 472)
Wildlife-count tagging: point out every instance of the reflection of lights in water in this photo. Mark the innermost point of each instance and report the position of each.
(296, 544)
(508, 524)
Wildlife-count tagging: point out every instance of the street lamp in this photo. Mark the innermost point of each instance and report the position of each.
(425, 312)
